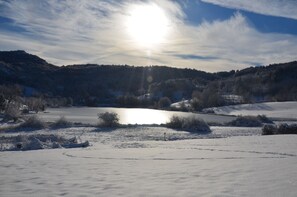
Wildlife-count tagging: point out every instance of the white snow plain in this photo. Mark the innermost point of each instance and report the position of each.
(136, 161)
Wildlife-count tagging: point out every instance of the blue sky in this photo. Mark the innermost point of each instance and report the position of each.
(210, 35)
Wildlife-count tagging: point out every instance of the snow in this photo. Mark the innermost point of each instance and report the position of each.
(277, 110)
(136, 161)
(182, 104)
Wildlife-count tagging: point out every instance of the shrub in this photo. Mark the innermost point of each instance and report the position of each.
(2, 102)
(191, 124)
(12, 111)
(108, 119)
(35, 104)
(164, 102)
(264, 119)
(269, 129)
(33, 122)
(281, 129)
(175, 122)
(62, 122)
(246, 121)
(287, 129)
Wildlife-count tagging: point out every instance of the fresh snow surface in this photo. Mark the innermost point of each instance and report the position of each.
(278, 110)
(137, 161)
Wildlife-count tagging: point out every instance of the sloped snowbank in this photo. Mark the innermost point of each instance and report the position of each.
(278, 110)
(38, 141)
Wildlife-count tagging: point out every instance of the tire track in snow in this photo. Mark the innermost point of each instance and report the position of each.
(242, 151)
(169, 159)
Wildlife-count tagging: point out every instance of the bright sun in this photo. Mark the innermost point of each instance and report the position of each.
(147, 25)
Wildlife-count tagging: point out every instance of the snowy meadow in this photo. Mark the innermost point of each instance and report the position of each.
(153, 161)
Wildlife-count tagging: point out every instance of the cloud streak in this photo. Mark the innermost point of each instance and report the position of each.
(278, 8)
(91, 31)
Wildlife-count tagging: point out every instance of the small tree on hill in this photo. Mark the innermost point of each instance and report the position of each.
(2, 103)
(12, 111)
(164, 102)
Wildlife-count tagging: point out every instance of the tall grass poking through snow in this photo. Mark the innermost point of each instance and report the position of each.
(62, 122)
(191, 124)
(33, 122)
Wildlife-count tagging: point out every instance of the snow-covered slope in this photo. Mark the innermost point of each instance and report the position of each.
(286, 110)
(138, 162)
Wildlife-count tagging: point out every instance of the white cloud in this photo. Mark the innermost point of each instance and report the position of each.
(91, 31)
(72, 27)
(282, 8)
(234, 43)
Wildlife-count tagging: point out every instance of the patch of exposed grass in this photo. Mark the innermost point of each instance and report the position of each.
(33, 122)
(62, 122)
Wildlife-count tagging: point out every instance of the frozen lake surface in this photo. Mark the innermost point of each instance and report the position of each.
(126, 115)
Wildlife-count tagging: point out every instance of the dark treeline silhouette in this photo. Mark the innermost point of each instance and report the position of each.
(120, 85)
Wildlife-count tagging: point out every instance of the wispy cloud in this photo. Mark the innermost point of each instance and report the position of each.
(233, 43)
(280, 8)
(91, 31)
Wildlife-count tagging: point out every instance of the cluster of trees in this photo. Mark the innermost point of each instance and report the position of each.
(133, 101)
(13, 109)
(14, 103)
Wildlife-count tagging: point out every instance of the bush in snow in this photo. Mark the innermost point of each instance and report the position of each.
(246, 121)
(269, 129)
(287, 129)
(250, 121)
(12, 111)
(281, 129)
(62, 122)
(108, 119)
(175, 122)
(264, 119)
(191, 124)
(2, 102)
(164, 102)
(33, 122)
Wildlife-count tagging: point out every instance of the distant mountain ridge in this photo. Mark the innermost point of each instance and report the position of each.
(107, 82)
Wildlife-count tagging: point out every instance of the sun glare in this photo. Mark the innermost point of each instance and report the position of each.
(147, 25)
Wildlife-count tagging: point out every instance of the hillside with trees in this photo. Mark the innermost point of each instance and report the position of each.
(25, 77)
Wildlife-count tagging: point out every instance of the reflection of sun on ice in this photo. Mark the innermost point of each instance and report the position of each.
(147, 24)
(145, 116)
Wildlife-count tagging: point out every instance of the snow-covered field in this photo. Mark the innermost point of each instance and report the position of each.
(277, 110)
(137, 161)
(155, 161)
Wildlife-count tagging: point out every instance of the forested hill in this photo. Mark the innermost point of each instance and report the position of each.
(105, 83)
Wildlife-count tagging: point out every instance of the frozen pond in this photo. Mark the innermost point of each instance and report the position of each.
(126, 115)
